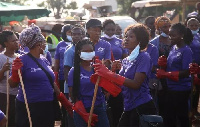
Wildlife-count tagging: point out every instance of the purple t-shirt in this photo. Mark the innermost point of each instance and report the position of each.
(25, 50)
(116, 46)
(153, 52)
(36, 83)
(195, 47)
(134, 98)
(1, 115)
(86, 91)
(179, 60)
(59, 55)
(103, 49)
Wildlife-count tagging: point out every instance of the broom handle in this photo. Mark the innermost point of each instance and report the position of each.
(25, 99)
(93, 101)
(8, 89)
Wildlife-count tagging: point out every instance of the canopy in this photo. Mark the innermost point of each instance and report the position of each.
(10, 12)
(149, 3)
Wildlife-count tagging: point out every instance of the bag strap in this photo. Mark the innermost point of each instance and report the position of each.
(45, 71)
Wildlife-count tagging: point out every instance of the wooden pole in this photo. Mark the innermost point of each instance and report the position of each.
(8, 89)
(25, 99)
(93, 101)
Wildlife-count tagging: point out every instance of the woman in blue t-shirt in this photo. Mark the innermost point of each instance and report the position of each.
(82, 89)
(39, 89)
(178, 77)
(134, 76)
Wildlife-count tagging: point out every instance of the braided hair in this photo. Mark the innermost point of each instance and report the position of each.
(77, 60)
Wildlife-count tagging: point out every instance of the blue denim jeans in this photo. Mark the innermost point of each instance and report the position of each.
(99, 110)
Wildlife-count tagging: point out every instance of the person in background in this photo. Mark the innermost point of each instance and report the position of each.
(150, 22)
(102, 47)
(3, 119)
(35, 81)
(193, 25)
(83, 88)
(163, 43)
(178, 77)
(59, 54)
(77, 33)
(133, 76)
(10, 42)
(118, 31)
(119, 53)
(154, 83)
(54, 38)
(59, 61)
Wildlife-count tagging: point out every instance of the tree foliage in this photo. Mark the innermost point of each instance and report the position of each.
(58, 6)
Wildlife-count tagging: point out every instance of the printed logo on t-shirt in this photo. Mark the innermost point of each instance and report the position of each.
(62, 48)
(84, 77)
(117, 43)
(35, 69)
(178, 55)
(100, 49)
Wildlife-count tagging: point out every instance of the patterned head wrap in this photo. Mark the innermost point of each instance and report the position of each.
(31, 35)
(161, 21)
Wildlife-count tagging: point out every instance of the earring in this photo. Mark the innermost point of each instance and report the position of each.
(181, 38)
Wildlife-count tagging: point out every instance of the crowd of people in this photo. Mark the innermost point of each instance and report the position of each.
(150, 69)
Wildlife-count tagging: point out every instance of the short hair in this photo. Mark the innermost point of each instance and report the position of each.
(192, 19)
(141, 32)
(4, 35)
(148, 18)
(108, 21)
(79, 27)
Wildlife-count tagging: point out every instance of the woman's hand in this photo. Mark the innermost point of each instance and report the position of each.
(116, 65)
(6, 67)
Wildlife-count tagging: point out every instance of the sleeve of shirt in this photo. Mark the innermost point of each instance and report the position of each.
(144, 64)
(2, 115)
(57, 55)
(186, 59)
(70, 77)
(2, 62)
(108, 52)
(68, 58)
(154, 56)
(49, 57)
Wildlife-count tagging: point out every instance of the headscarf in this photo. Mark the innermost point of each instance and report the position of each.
(161, 21)
(31, 35)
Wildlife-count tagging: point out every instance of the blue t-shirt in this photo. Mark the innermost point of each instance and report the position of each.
(195, 47)
(153, 52)
(103, 49)
(26, 50)
(134, 98)
(37, 85)
(179, 60)
(86, 90)
(69, 56)
(2, 115)
(59, 55)
(116, 47)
